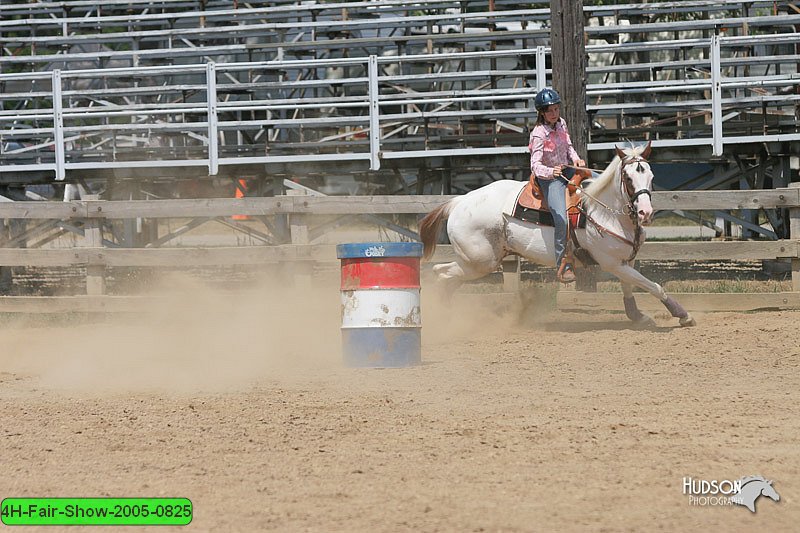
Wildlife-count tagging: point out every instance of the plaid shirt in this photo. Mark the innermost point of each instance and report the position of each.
(549, 148)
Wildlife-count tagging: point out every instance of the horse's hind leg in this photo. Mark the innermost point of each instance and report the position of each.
(629, 275)
(452, 275)
(632, 310)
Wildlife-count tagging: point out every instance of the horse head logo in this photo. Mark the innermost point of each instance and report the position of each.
(752, 488)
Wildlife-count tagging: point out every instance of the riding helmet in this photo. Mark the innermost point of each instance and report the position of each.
(546, 97)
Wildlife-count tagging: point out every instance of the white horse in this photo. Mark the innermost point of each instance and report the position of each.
(617, 205)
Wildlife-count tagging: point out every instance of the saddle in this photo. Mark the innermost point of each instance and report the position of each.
(531, 206)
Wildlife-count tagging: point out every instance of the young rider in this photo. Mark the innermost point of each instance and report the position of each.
(552, 156)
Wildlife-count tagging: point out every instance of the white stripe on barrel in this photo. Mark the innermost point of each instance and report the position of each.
(381, 308)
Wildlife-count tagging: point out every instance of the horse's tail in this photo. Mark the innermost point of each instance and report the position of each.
(430, 225)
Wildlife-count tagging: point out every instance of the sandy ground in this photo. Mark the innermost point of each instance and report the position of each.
(559, 422)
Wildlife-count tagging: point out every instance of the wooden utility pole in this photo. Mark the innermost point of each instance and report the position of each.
(569, 68)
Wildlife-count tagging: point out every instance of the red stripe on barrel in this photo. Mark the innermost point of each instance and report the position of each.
(380, 272)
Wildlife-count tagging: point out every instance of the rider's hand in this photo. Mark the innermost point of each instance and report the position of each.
(580, 163)
(557, 171)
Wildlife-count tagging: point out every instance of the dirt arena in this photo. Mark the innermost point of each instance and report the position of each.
(555, 422)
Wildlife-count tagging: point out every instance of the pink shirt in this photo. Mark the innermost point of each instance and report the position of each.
(549, 148)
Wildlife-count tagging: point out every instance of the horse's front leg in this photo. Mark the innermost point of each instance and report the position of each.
(631, 276)
(632, 310)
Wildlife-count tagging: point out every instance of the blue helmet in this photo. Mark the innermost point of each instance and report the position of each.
(546, 97)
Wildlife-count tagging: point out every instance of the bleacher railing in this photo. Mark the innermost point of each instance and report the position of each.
(379, 108)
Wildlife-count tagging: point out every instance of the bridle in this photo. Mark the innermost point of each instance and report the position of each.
(627, 182)
(628, 191)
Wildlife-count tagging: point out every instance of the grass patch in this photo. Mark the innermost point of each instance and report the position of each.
(722, 286)
(672, 219)
(679, 239)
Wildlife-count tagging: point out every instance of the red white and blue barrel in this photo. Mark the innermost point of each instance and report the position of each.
(381, 322)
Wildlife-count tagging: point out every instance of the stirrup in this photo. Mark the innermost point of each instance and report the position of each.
(566, 273)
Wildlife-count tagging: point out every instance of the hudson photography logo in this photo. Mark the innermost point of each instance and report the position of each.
(744, 491)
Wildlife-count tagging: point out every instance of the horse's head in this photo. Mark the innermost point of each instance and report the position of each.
(637, 180)
(770, 492)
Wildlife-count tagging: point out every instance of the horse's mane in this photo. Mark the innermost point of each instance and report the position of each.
(748, 479)
(604, 179)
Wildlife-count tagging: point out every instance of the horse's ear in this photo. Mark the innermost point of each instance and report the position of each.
(646, 151)
(620, 153)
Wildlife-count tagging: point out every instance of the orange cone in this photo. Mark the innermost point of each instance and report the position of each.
(240, 188)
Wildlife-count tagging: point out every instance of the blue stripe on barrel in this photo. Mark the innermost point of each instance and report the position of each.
(379, 249)
(381, 324)
(381, 347)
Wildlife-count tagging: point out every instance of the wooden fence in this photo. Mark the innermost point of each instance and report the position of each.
(96, 257)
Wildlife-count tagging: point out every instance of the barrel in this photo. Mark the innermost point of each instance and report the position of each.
(380, 292)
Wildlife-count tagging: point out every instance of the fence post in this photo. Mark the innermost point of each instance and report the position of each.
(716, 96)
(58, 126)
(541, 68)
(213, 138)
(93, 238)
(374, 114)
(511, 274)
(794, 234)
(303, 271)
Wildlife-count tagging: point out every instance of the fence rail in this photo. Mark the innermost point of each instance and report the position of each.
(302, 209)
(255, 255)
(788, 197)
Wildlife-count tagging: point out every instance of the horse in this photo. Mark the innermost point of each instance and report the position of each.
(617, 207)
(752, 488)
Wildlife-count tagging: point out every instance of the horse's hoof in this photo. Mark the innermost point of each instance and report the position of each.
(687, 322)
(645, 322)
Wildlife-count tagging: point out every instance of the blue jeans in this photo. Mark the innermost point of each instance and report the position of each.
(554, 192)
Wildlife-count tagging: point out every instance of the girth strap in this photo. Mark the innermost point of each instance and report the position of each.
(602, 230)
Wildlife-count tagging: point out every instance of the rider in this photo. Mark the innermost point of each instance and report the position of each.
(552, 165)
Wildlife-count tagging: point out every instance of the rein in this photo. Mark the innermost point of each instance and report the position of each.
(632, 196)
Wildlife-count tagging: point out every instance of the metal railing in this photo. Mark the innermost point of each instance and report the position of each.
(386, 108)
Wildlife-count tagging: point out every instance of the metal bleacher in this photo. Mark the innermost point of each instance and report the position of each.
(389, 94)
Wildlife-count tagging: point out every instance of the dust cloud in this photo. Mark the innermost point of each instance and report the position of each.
(187, 338)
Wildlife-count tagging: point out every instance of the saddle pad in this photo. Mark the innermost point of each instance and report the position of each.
(537, 216)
